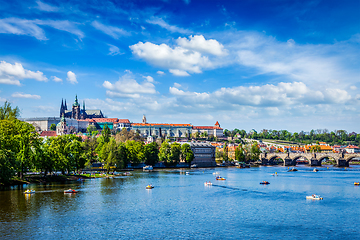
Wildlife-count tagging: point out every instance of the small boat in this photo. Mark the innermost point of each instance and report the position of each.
(187, 173)
(274, 174)
(315, 170)
(293, 170)
(215, 173)
(314, 197)
(264, 182)
(220, 178)
(207, 183)
(149, 186)
(357, 183)
(147, 168)
(29, 191)
(193, 166)
(127, 174)
(70, 191)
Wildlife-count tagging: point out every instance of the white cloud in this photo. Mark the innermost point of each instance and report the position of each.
(10, 81)
(179, 73)
(46, 7)
(200, 44)
(12, 73)
(177, 85)
(21, 27)
(128, 87)
(56, 79)
(114, 32)
(160, 72)
(114, 50)
(160, 22)
(71, 77)
(282, 94)
(353, 87)
(25, 95)
(179, 59)
(31, 27)
(149, 79)
(62, 25)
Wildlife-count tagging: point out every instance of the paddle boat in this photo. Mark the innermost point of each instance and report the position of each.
(207, 183)
(274, 174)
(314, 197)
(357, 183)
(147, 168)
(315, 170)
(29, 191)
(70, 191)
(149, 186)
(264, 182)
(220, 178)
(215, 173)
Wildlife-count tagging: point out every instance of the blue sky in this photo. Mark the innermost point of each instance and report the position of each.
(248, 64)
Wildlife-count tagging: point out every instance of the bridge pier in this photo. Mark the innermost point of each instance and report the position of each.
(289, 162)
(341, 162)
(264, 161)
(315, 162)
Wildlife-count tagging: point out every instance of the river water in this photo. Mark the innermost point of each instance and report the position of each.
(182, 207)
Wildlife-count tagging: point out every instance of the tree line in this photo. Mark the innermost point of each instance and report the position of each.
(337, 137)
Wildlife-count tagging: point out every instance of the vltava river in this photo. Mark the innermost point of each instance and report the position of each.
(180, 206)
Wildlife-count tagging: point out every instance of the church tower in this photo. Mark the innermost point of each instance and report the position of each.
(144, 119)
(62, 128)
(76, 109)
(62, 108)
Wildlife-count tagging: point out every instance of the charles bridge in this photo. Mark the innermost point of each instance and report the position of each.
(314, 159)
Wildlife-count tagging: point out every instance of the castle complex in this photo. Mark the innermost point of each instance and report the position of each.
(78, 113)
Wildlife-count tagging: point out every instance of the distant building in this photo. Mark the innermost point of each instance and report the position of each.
(62, 128)
(77, 113)
(215, 130)
(352, 149)
(112, 123)
(44, 123)
(48, 134)
(204, 154)
(161, 129)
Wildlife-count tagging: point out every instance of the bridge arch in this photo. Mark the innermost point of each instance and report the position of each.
(297, 157)
(349, 159)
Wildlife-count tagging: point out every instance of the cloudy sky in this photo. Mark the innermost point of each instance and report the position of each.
(248, 64)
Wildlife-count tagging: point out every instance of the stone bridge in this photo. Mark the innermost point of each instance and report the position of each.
(314, 159)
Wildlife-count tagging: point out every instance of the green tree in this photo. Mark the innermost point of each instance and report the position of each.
(135, 151)
(151, 153)
(164, 152)
(90, 129)
(186, 153)
(225, 155)
(123, 153)
(9, 113)
(240, 154)
(175, 153)
(255, 152)
(106, 133)
(53, 127)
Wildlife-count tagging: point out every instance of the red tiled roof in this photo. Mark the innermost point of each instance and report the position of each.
(123, 121)
(159, 124)
(206, 127)
(48, 134)
(351, 146)
(113, 120)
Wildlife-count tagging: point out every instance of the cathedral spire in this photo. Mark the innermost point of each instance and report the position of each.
(84, 105)
(62, 107)
(65, 107)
